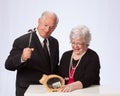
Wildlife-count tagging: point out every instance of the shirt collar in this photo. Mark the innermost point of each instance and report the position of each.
(41, 38)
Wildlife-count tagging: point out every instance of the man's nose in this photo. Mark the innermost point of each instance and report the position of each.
(47, 28)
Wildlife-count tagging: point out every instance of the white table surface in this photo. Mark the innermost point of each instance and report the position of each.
(39, 90)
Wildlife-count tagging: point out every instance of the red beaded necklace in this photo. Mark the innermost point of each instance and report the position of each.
(72, 68)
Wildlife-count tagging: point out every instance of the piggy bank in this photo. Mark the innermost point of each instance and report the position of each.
(53, 83)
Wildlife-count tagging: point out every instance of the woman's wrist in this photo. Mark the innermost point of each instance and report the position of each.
(76, 85)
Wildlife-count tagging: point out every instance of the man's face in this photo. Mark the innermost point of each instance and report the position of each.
(46, 25)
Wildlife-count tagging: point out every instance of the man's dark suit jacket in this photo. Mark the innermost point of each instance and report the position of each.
(87, 71)
(32, 70)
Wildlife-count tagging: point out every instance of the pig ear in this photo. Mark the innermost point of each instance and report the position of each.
(43, 79)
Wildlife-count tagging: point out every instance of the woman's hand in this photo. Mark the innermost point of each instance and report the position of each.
(71, 87)
(66, 88)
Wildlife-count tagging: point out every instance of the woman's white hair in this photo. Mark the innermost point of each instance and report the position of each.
(81, 31)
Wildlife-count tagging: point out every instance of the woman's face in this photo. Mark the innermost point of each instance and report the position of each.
(78, 46)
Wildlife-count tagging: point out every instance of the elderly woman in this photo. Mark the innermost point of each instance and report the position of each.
(80, 66)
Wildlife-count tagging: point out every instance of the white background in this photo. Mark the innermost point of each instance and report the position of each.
(101, 16)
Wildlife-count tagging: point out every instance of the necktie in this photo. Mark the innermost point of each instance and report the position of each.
(46, 50)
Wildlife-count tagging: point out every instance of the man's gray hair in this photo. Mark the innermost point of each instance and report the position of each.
(50, 13)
